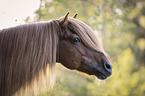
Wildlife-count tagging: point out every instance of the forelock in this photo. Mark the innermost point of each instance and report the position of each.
(86, 34)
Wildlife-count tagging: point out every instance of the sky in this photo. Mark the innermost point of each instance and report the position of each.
(14, 12)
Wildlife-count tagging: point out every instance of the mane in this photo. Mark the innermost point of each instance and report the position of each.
(25, 52)
(86, 34)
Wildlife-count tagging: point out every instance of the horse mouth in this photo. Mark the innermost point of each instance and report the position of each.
(101, 76)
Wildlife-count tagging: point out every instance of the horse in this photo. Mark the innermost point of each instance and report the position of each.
(26, 51)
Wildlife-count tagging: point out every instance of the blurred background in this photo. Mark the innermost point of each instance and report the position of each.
(119, 23)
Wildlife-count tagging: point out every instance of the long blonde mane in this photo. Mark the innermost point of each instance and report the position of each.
(21, 63)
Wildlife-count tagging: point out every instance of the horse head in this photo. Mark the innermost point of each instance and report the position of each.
(80, 50)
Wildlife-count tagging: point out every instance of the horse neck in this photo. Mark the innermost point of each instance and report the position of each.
(25, 51)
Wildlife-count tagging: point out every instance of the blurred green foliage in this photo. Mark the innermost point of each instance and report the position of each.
(121, 26)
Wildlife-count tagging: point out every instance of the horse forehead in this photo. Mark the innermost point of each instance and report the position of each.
(69, 32)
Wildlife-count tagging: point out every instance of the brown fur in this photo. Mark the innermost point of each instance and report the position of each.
(27, 50)
(88, 55)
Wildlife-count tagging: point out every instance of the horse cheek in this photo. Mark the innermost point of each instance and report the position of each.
(68, 56)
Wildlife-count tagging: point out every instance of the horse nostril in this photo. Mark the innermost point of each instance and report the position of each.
(108, 66)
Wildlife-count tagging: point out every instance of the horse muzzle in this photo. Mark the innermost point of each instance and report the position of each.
(103, 72)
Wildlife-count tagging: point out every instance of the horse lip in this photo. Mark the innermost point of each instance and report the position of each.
(101, 76)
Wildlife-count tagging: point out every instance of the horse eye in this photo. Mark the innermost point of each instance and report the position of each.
(76, 40)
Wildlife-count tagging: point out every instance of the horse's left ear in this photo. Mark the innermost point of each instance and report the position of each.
(64, 20)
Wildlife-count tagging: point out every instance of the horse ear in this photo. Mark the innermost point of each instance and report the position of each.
(64, 20)
(75, 16)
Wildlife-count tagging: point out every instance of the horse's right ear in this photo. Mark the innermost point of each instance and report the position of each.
(64, 20)
(75, 16)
